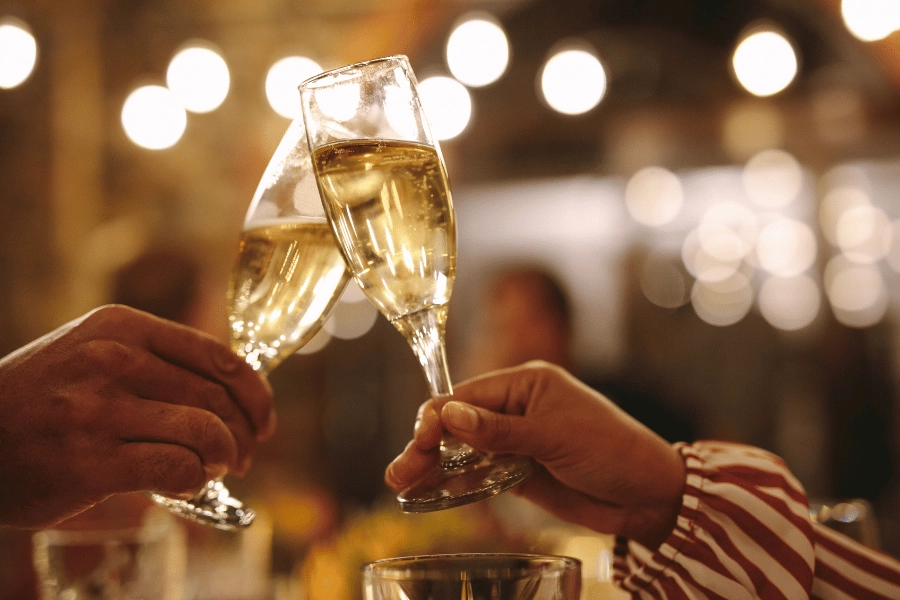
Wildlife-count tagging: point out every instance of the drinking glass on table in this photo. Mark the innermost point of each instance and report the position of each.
(386, 194)
(473, 577)
(287, 275)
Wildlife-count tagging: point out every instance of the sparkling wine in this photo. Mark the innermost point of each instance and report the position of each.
(286, 278)
(389, 202)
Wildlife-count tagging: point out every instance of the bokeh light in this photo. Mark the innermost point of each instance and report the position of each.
(857, 293)
(664, 281)
(764, 63)
(864, 234)
(573, 82)
(477, 50)
(282, 81)
(722, 303)
(772, 179)
(654, 196)
(786, 247)
(791, 303)
(835, 203)
(153, 117)
(703, 265)
(199, 78)
(728, 231)
(18, 52)
(871, 20)
(447, 105)
(350, 320)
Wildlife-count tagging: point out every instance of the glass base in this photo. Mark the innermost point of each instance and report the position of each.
(448, 488)
(213, 506)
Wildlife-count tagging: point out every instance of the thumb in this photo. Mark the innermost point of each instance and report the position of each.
(489, 431)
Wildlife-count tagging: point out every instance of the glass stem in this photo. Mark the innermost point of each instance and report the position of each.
(426, 337)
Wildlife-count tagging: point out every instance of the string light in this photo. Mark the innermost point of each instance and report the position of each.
(153, 117)
(477, 50)
(764, 63)
(18, 52)
(199, 77)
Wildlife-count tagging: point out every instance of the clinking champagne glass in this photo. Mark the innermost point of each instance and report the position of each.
(288, 273)
(386, 194)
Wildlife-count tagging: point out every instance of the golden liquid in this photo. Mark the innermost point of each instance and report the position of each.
(286, 278)
(389, 203)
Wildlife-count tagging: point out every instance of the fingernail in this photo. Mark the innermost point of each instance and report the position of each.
(461, 416)
(269, 428)
(215, 471)
(245, 464)
(391, 477)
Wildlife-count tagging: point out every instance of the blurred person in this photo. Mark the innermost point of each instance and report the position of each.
(525, 314)
(119, 401)
(708, 519)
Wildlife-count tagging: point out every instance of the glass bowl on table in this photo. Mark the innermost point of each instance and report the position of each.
(473, 577)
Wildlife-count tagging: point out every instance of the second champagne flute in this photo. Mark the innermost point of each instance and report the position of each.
(386, 194)
(287, 275)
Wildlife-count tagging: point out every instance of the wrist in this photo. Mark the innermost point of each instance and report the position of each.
(652, 520)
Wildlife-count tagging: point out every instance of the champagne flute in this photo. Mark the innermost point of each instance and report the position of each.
(386, 194)
(288, 273)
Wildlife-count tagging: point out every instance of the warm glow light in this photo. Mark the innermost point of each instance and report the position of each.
(654, 196)
(478, 51)
(728, 231)
(765, 63)
(350, 320)
(663, 282)
(447, 105)
(282, 81)
(871, 20)
(573, 82)
(18, 52)
(153, 117)
(857, 293)
(703, 265)
(724, 302)
(772, 178)
(789, 303)
(835, 204)
(786, 247)
(199, 78)
(864, 234)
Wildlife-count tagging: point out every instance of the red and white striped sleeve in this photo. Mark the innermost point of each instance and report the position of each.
(744, 531)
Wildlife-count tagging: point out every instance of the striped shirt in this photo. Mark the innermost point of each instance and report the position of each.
(744, 531)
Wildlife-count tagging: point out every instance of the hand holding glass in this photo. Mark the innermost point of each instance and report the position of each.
(288, 273)
(386, 194)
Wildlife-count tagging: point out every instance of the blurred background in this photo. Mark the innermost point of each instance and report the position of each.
(694, 205)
